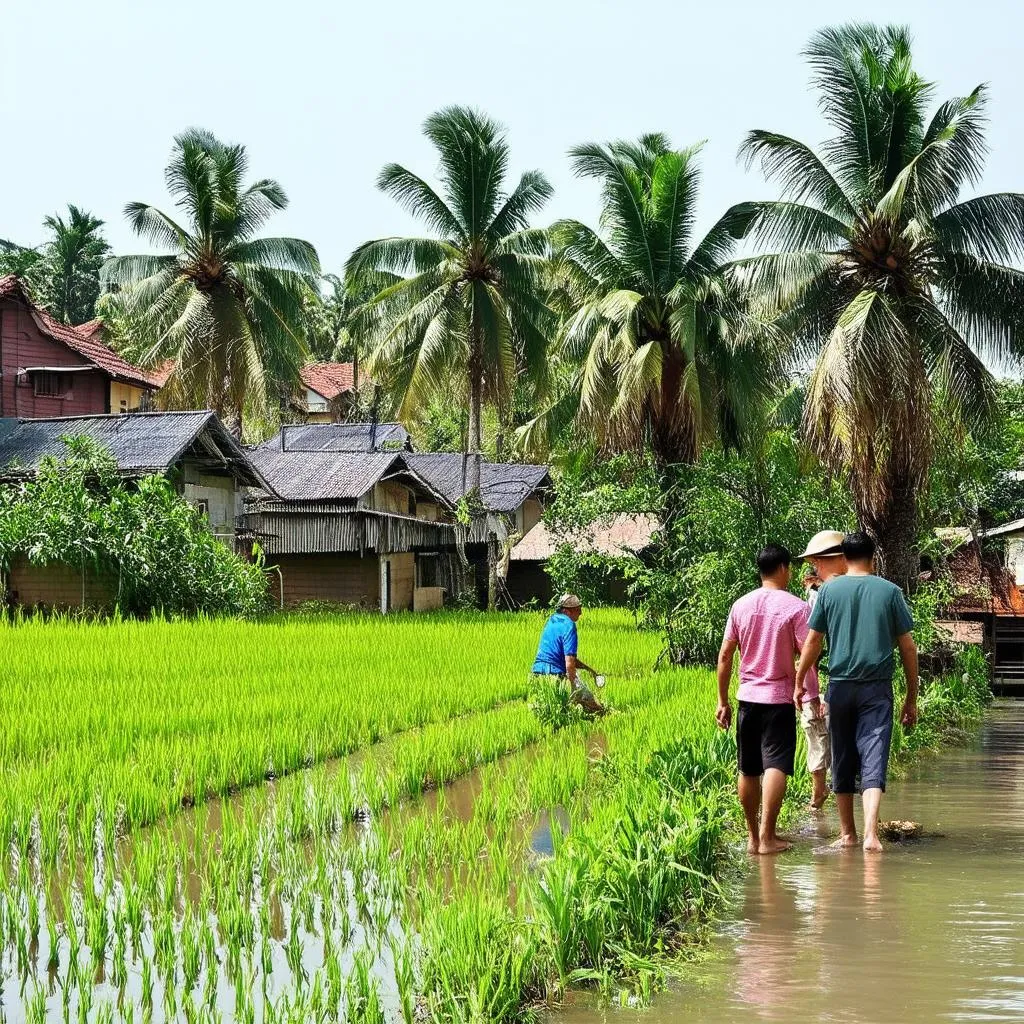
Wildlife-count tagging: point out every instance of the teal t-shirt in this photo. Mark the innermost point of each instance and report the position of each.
(862, 616)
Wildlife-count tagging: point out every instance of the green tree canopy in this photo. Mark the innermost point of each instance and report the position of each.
(470, 302)
(665, 354)
(894, 286)
(224, 303)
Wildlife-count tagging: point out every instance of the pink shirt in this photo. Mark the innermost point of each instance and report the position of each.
(770, 627)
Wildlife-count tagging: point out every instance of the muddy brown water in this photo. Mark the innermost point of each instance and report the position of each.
(927, 931)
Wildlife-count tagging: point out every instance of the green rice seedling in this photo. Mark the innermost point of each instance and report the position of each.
(405, 979)
(35, 1006)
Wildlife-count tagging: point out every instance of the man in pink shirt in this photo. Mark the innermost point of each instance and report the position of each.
(769, 626)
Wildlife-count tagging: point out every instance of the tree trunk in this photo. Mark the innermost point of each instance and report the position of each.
(474, 440)
(893, 526)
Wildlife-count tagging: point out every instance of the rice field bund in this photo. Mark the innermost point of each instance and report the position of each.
(342, 818)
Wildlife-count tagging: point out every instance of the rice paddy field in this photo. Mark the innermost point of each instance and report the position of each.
(343, 818)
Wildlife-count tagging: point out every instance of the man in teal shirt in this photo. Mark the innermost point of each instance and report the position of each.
(864, 618)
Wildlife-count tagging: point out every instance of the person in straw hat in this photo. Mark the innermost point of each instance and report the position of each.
(558, 653)
(825, 554)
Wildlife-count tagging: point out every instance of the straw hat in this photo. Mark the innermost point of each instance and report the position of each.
(569, 601)
(825, 544)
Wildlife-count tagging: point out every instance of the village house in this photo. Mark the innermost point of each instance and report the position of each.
(193, 450)
(625, 535)
(359, 518)
(987, 570)
(50, 369)
(327, 392)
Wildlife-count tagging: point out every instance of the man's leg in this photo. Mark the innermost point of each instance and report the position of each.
(847, 824)
(749, 788)
(872, 801)
(773, 793)
(874, 737)
(748, 750)
(843, 736)
(816, 734)
(778, 754)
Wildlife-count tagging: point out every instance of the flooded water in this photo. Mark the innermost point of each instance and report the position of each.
(929, 931)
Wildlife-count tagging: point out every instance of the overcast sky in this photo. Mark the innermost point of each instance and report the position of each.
(324, 93)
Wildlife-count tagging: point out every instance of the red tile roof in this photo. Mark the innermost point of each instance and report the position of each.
(327, 379)
(86, 345)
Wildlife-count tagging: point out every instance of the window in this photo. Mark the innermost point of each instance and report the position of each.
(203, 505)
(412, 504)
(428, 571)
(49, 385)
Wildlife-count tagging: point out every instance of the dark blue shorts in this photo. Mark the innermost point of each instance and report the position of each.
(860, 730)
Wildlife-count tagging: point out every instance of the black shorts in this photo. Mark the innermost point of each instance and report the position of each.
(766, 737)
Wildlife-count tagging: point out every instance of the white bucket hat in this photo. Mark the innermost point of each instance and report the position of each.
(825, 544)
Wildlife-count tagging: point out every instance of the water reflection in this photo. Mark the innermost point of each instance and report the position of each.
(926, 932)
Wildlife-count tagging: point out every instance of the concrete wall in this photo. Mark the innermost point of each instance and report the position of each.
(403, 580)
(220, 494)
(347, 579)
(528, 515)
(427, 599)
(125, 398)
(57, 586)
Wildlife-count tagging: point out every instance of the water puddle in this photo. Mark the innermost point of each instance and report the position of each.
(928, 931)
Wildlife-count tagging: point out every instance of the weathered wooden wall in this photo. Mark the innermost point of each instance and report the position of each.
(57, 586)
(22, 344)
(347, 579)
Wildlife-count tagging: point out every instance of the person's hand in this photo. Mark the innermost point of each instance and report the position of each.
(817, 708)
(908, 718)
(798, 695)
(723, 716)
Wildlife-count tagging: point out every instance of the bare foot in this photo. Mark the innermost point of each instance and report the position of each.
(872, 845)
(844, 842)
(818, 801)
(770, 846)
(753, 847)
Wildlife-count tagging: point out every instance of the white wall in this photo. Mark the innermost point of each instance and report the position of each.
(222, 497)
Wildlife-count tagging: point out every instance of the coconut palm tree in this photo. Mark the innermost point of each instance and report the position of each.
(665, 354)
(69, 269)
(894, 286)
(470, 301)
(224, 303)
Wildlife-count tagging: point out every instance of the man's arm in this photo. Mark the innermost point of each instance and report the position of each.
(723, 715)
(812, 693)
(908, 655)
(572, 664)
(808, 659)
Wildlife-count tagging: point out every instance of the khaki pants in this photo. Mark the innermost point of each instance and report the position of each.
(819, 752)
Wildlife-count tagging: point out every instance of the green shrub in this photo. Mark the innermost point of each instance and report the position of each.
(152, 543)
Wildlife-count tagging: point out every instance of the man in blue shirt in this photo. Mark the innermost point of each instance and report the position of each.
(557, 653)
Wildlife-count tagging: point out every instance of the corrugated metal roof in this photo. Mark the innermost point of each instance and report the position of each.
(340, 437)
(618, 535)
(140, 442)
(322, 476)
(504, 486)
